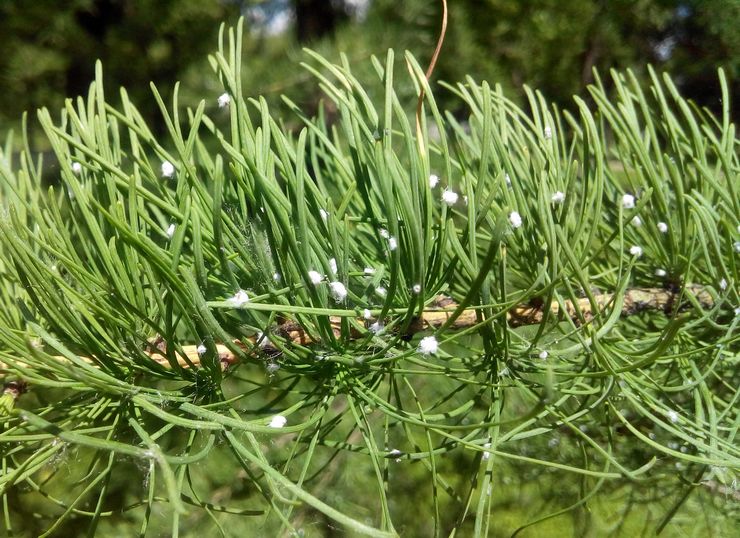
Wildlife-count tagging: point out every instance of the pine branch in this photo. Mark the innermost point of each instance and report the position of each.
(635, 300)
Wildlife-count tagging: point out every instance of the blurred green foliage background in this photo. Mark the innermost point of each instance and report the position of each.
(49, 47)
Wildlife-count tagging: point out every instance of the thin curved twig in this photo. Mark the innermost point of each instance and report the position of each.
(428, 74)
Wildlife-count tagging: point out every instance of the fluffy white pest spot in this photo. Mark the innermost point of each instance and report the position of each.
(333, 265)
(278, 421)
(76, 168)
(628, 201)
(543, 355)
(262, 340)
(449, 197)
(368, 271)
(660, 272)
(515, 219)
(170, 231)
(168, 169)
(636, 251)
(380, 290)
(367, 314)
(548, 132)
(338, 291)
(377, 327)
(558, 197)
(433, 180)
(636, 221)
(201, 349)
(662, 227)
(239, 299)
(392, 243)
(428, 345)
(723, 284)
(224, 100)
(315, 277)
(416, 288)
(324, 214)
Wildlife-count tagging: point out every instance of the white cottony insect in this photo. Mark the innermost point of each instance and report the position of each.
(262, 340)
(367, 314)
(368, 271)
(515, 219)
(449, 197)
(486, 453)
(660, 272)
(662, 227)
(324, 214)
(170, 231)
(277, 277)
(377, 327)
(338, 291)
(239, 299)
(392, 243)
(201, 349)
(315, 277)
(428, 345)
(76, 168)
(416, 288)
(628, 201)
(278, 421)
(333, 265)
(384, 233)
(723, 284)
(433, 180)
(168, 169)
(636, 251)
(543, 355)
(672, 416)
(636, 221)
(558, 197)
(548, 132)
(380, 290)
(224, 100)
